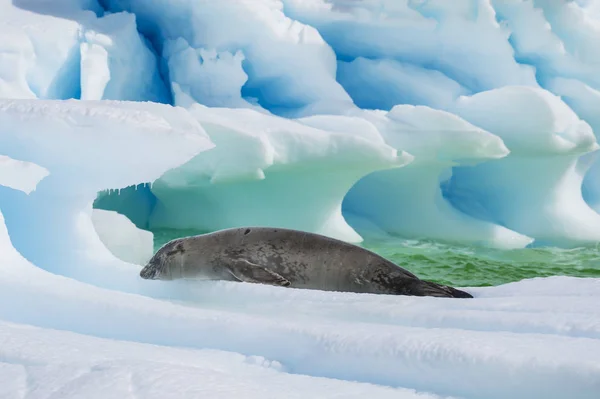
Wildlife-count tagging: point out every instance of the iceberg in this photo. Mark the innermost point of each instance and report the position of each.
(385, 83)
(211, 78)
(63, 49)
(408, 201)
(273, 46)
(471, 122)
(584, 100)
(462, 40)
(537, 189)
(85, 147)
(268, 171)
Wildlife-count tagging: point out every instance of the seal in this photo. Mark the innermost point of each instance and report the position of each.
(287, 258)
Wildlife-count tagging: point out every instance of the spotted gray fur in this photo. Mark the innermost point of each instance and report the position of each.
(287, 258)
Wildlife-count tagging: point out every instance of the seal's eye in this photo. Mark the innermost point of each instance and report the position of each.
(176, 250)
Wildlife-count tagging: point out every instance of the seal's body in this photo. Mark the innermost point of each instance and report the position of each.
(287, 258)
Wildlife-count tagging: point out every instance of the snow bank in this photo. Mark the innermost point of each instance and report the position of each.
(98, 368)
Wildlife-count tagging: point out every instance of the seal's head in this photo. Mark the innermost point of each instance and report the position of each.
(166, 262)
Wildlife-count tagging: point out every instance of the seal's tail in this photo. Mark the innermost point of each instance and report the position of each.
(434, 289)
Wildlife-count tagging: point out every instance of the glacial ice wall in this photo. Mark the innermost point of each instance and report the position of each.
(307, 100)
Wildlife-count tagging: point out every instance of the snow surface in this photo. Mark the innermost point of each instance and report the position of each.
(471, 121)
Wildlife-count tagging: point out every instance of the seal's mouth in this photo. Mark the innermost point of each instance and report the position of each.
(149, 272)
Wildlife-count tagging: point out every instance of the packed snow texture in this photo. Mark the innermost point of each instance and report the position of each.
(470, 121)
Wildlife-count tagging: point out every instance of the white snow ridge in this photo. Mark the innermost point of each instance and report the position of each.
(470, 122)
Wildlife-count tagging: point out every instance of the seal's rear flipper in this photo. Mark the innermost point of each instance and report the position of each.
(248, 272)
(438, 290)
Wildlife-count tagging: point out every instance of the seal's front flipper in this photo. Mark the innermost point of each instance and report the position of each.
(248, 272)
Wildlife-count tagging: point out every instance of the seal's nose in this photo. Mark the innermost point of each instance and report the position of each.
(150, 272)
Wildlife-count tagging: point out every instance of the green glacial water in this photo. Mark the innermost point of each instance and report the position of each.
(464, 266)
